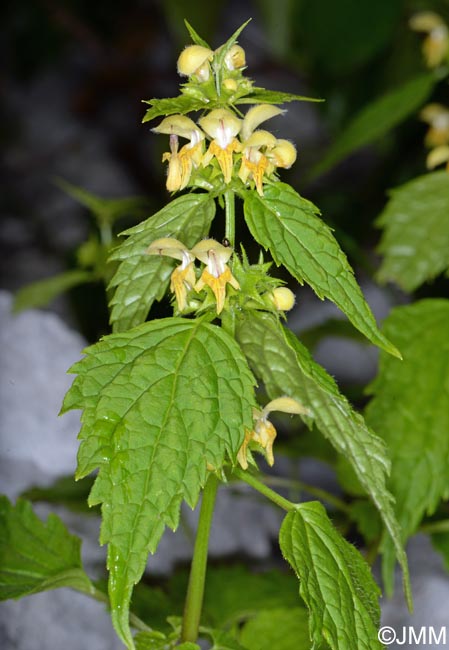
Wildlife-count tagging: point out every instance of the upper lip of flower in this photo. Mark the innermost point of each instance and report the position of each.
(221, 125)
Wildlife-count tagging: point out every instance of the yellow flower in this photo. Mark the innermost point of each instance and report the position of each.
(183, 277)
(436, 44)
(181, 163)
(437, 117)
(222, 126)
(262, 152)
(217, 273)
(255, 164)
(264, 433)
(438, 156)
(194, 60)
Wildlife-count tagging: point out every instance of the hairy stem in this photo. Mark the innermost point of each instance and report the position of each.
(195, 589)
(229, 197)
(283, 503)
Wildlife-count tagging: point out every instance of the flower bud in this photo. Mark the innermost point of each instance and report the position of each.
(282, 298)
(194, 59)
(230, 84)
(284, 154)
(235, 57)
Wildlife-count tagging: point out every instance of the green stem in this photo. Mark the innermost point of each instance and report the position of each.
(229, 198)
(195, 589)
(283, 503)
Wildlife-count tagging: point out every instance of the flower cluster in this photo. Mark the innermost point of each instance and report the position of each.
(263, 433)
(436, 43)
(216, 273)
(257, 152)
(437, 137)
(233, 141)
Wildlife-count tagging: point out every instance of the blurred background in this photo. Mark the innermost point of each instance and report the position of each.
(75, 72)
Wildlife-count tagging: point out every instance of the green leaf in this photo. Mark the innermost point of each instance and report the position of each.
(158, 641)
(335, 582)
(410, 411)
(171, 105)
(376, 119)
(37, 556)
(234, 594)
(141, 279)
(343, 36)
(263, 96)
(289, 226)
(42, 292)
(283, 629)
(415, 240)
(286, 368)
(160, 402)
(222, 640)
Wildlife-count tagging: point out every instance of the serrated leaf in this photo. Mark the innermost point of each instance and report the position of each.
(263, 96)
(157, 641)
(335, 582)
(410, 411)
(141, 279)
(222, 640)
(42, 292)
(286, 368)
(171, 105)
(37, 556)
(159, 403)
(289, 226)
(415, 239)
(376, 119)
(283, 629)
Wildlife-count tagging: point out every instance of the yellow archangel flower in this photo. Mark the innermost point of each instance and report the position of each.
(195, 60)
(216, 273)
(437, 117)
(264, 432)
(436, 44)
(183, 277)
(181, 163)
(262, 152)
(221, 126)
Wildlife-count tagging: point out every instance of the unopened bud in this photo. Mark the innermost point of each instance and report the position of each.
(235, 57)
(230, 84)
(282, 298)
(284, 154)
(194, 59)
